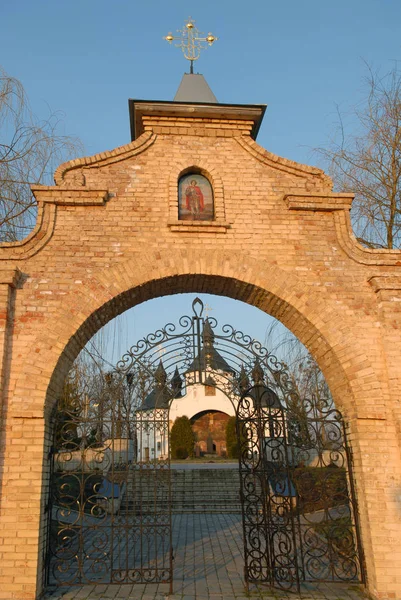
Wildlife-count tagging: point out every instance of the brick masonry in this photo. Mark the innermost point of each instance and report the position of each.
(108, 237)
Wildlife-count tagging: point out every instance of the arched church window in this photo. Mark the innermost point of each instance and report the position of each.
(195, 198)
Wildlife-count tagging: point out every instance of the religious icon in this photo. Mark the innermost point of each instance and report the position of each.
(195, 198)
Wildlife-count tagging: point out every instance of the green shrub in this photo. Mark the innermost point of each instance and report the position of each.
(182, 438)
(233, 450)
(180, 453)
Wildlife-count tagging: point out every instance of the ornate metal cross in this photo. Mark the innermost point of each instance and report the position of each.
(208, 309)
(190, 41)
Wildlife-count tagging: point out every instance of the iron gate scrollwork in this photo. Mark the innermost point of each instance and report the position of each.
(109, 509)
(300, 517)
(110, 520)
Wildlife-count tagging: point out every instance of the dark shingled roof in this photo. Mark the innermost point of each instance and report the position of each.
(215, 361)
(209, 355)
(268, 398)
(160, 397)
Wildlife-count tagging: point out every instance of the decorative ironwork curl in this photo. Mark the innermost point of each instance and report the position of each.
(298, 512)
(295, 473)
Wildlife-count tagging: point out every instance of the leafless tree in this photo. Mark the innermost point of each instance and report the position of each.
(30, 150)
(306, 376)
(368, 162)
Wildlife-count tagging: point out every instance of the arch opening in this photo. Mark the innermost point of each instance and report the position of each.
(339, 360)
(307, 330)
(118, 433)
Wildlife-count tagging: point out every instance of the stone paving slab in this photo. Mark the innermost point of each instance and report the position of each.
(208, 565)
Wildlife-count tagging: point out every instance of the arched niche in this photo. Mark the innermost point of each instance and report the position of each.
(211, 219)
(195, 198)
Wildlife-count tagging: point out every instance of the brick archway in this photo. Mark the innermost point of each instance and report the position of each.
(325, 332)
(107, 239)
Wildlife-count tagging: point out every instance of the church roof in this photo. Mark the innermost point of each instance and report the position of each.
(259, 392)
(159, 397)
(265, 395)
(208, 355)
(194, 88)
(214, 360)
(162, 394)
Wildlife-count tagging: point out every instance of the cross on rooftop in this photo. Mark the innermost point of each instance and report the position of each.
(208, 309)
(191, 41)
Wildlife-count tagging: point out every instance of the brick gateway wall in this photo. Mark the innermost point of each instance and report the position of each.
(108, 238)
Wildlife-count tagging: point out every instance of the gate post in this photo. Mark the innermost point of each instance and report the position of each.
(380, 441)
(21, 460)
(22, 538)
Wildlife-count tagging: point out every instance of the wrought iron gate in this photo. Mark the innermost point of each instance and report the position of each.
(109, 511)
(300, 517)
(110, 501)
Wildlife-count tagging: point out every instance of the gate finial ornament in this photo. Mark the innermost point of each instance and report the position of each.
(190, 41)
(197, 302)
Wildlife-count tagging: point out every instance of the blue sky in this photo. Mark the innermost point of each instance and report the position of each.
(86, 58)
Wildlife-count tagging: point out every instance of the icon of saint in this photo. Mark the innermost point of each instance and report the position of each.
(194, 199)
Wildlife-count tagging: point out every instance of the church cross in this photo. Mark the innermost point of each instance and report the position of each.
(191, 41)
(208, 309)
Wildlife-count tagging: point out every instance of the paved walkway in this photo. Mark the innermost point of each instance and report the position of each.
(208, 565)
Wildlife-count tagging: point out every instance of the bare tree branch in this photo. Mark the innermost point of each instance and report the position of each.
(304, 371)
(30, 150)
(368, 163)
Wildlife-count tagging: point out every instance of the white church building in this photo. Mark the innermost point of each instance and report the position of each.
(204, 403)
